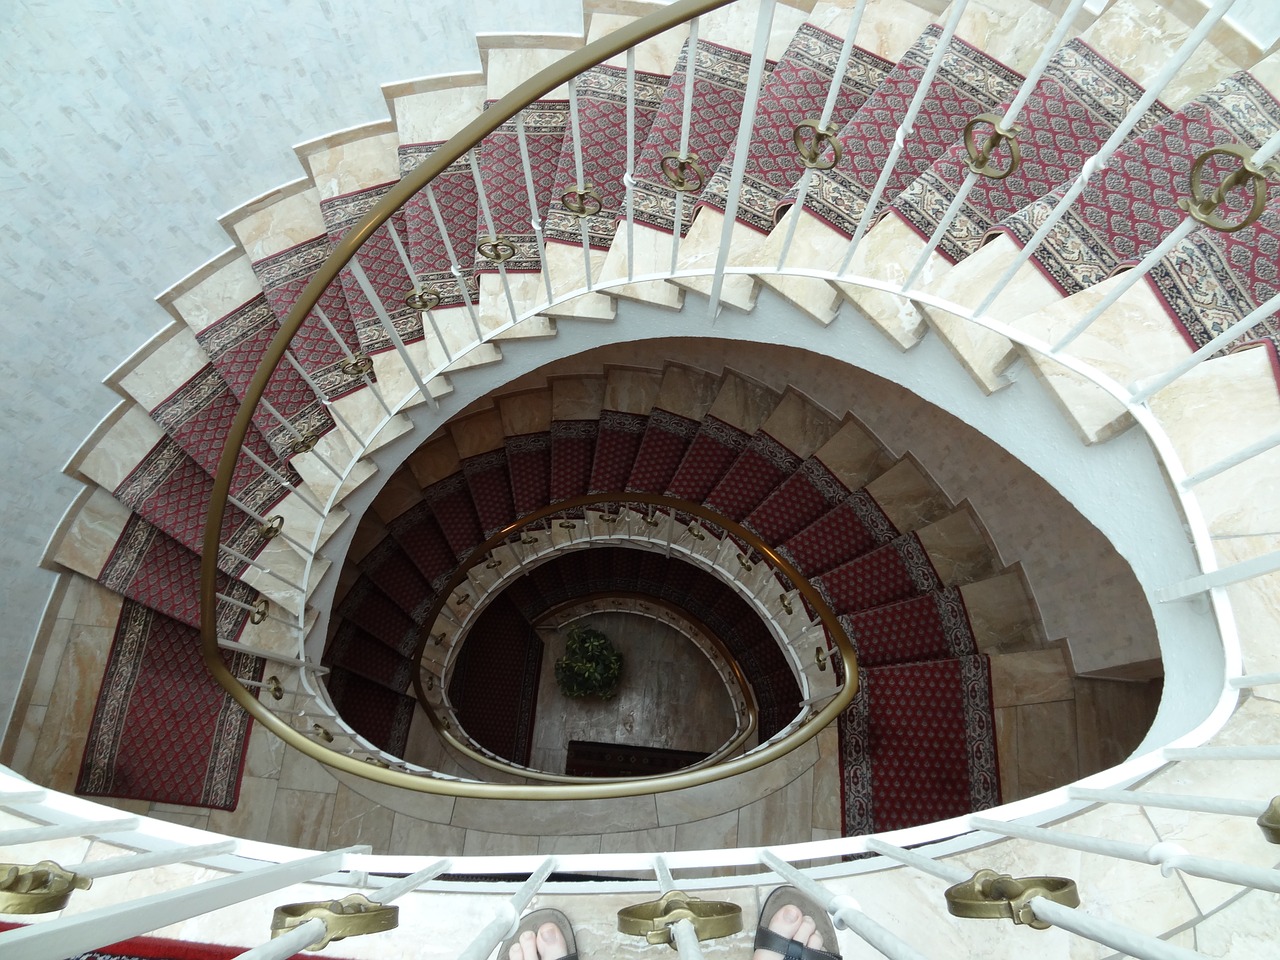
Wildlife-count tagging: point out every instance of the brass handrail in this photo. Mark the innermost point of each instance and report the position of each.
(470, 136)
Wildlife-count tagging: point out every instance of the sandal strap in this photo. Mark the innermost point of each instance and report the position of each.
(766, 939)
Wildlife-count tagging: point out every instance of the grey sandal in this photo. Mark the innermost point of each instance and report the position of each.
(532, 921)
(766, 939)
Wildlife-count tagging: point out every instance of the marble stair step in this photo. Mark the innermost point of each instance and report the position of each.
(908, 495)
(959, 548)
(601, 115)
(1121, 30)
(1002, 612)
(886, 31)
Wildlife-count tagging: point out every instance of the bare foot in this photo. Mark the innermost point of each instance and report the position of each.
(549, 944)
(790, 924)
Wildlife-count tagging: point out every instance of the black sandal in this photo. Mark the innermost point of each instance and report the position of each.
(766, 939)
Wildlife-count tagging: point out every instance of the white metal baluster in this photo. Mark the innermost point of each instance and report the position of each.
(1167, 856)
(287, 944)
(844, 910)
(1234, 460)
(535, 220)
(251, 609)
(493, 232)
(324, 399)
(157, 858)
(742, 147)
(1117, 936)
(346, 352)
(1223, 577)
(279, 418)
(417, 283)
(61, 831)
(13, 798)
(398, 888)
(500, 927)
(575, 127)
(258, 566)
(905, 129)
(1082, 924)
(1148, 388)
(1099, 160)
(1173, 801)
(253, 514)
(690, 70)
(828, 108)
(684, 938)
(1131, 277)
(278, 477)
(1254, 680)
(1047, 54)
(454, 266)
(69, 936)
(629, 178)
(268, 655)
(390, 330)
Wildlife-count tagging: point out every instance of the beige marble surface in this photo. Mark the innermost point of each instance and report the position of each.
(355, 165)
(508, 67)
(1001, 612)
(121, 448)
(477, 434)
(434, 460)
(700, 248)
(742, 403)
(173, 363)
(853, 454)
(1010, 34)
(908, 496)
(631, 390)
(889, 252)
(650, 254)
(283, 223)
(735, 26)
(577, 398)
(436, 115)
(799, 424)
(1030, 676)
(1256, 606)
(687, 391)
(658, 55)
(888, 27)
(92, 534)
(216, 296)
(528, 411)
(957, 548)
(563, 264)
(814, 245)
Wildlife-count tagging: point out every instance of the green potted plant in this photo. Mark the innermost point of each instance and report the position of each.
(590, 667)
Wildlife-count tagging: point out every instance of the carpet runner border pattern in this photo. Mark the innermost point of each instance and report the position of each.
(156, 690)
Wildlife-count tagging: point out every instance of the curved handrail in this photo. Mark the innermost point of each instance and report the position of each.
(828, 617)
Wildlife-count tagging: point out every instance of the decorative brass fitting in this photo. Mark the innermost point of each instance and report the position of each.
(812, 146)
(274, 687)
(1203, 206)
(582, 201)
(37, 887)
(423, 298)
(271, 528)
(352, 916)
(654, 919)
(260, 611)
(678, 170)
(304, 443)
(980, 157)
(322, 733)
(496, 249)
(357, 365)
(820, 658)
(786, 604)
(988, 895)
(1270, 821)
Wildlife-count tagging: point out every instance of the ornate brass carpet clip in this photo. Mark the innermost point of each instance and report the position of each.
(988, 895)
(38, 887)
(352, 916)
(653, 919)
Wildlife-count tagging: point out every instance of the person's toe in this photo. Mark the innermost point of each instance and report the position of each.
(551, 942)
(806, 933)
(785, 923)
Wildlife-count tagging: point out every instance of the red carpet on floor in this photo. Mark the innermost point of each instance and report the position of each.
(163, 729)
(159, 948)
(917, 745)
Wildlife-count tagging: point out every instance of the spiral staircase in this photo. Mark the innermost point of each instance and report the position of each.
(564, 381)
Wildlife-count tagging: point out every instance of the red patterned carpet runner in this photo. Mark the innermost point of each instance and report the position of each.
(796, 90)
(617, 443)
(666, 438)
(383, 267)
(494, 686)
(968, 83)
(163, 729)
(719, 86)
(159, 948)
(917, 745)
(529, 464)
(602, 116)
(800, 500)
(505, 184)
(1126, 210)
(454, 191)
(1075, 107)
(489, 483)
(379, 715)
(1213, 279)
(587, 758)
(283, 276)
